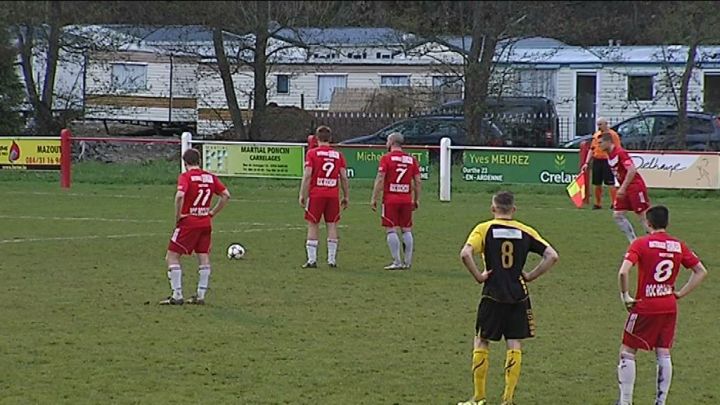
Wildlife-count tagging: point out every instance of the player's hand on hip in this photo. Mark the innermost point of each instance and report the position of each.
(344, 203)
(485, 275)
(621, 193)
(629, 301)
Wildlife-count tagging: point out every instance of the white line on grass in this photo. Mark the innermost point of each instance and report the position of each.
(101, 219)
(140, 235)
(135, 197)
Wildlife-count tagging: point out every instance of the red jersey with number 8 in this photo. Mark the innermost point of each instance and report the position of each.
(325, 163)
(199, 187)
(658, 257)
(399, 168)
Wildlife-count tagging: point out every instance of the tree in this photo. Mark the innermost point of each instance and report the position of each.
(487, 30)
(11, 92)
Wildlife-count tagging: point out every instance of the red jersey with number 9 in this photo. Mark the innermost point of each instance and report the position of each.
(325, 163)
(399, 168)
(658, 257)
(199, 187)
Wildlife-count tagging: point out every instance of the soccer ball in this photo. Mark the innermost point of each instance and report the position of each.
(235, 251)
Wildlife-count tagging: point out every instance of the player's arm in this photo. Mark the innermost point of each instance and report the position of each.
(549, 258)
(698, 274)
(418, 188)
(379, 184)
(305, 185)
(623, 282)
(345, 186)
(179, 200)
(222, 202)
(467, 256)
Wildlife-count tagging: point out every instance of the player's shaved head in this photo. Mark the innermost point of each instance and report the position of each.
(191, 157)
(396, 139)
(503, 202)
(658, 217)
(323, 133)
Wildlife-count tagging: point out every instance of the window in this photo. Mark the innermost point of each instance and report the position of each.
(327, 84)
(640, 88)
(711, 92)
(700, 126)
(394, 81)
(283, 84)
(536, 83)
(637, 128)
(129, 77)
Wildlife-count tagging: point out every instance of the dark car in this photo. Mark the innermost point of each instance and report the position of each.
(429, 130)
(656, 130)
(526, 121)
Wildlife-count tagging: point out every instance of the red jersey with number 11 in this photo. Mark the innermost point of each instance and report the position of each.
(658, 257)
(399, 168)
(199, 187)
(325, 163)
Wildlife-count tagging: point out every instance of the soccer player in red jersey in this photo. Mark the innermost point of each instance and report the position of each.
(632, 194)
(653, 311)
(193, 231)
(324, 175)
(398, 175)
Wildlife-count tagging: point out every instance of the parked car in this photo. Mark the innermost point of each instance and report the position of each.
(526, 121)
(429, 130)
(656, 130)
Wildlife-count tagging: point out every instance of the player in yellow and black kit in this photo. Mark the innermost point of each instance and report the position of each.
(504, 309)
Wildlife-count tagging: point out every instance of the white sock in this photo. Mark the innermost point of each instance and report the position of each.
(626, 378)
(332, 249)
(408, 240)
(175, 276)
(393, 242)
(664, 378)
(311, 247)
(625, 226)
(203, 281)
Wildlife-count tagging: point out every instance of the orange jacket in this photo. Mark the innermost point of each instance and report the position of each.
(598, 153)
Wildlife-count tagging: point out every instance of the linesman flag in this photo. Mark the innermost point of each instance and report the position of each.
(576, 190)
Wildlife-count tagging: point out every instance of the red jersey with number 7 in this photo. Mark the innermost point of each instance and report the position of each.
(199, 187)
(658, 257)
(399, 168)
(325, 163)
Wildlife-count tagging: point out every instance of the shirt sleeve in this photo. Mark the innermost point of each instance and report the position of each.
(689, 259)
(416, 167)
(182, 183)
(342, 162)
(633, 253)
(308, 159)
(626, 160)
(382, 167)
(476, 239)
(537, 243)
(219, 186)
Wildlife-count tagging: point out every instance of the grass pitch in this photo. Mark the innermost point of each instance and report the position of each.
(83, 270)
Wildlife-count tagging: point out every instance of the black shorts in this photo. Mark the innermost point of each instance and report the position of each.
(601, 173)
(512, 321)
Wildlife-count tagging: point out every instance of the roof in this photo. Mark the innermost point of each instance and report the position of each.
(346, 36)
(465, 43)
(675, 54)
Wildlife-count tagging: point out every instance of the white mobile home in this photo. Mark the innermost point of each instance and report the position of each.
(585, 83)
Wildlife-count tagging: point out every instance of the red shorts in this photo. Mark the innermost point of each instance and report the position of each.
(646, 332)
(397, 215)
(185, 241)
(635, 199)
(319, 207)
